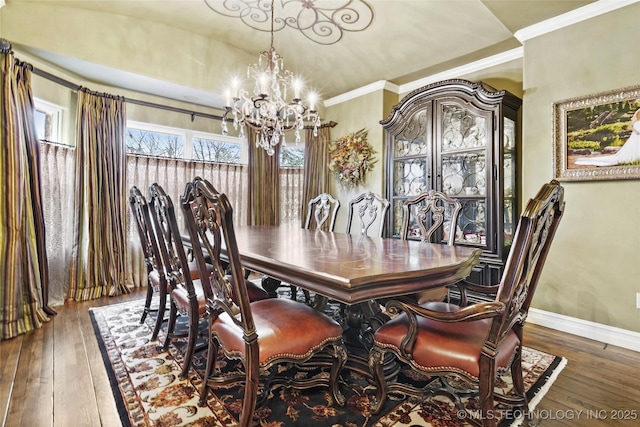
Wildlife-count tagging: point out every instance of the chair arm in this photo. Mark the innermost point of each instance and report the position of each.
(464, 286)
(482, 310)
(493, 289)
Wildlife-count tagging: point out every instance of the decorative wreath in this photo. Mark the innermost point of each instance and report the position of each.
(350, 158)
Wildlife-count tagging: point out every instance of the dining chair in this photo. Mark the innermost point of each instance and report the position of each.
(156, 276)
(261, 334)
(432, 216)
(369, 209)
(321, 212)
(187, 295)
(472, 342)
(156, 279)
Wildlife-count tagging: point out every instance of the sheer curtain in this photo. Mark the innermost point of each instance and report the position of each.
(316, 166)
(98, 261)
(291, 183)
(173, 175)
(58, 175)
(23, 264)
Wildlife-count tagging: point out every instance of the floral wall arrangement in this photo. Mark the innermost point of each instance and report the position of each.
(350, 158)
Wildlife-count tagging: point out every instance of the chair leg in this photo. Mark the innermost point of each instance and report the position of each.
(340, 358)
(376, 358)
(162, 303)
(485, 393)
(171, 325)
(251, 387)
(294, 292)
(191, 346)
(211, 363)
(518, 380)
(147, 303)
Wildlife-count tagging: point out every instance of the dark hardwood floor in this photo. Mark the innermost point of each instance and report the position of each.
(54, 376)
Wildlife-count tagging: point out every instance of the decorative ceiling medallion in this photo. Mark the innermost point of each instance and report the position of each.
(323, 22)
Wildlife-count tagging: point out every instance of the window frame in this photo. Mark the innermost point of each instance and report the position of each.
(188, 137)
(56, 112)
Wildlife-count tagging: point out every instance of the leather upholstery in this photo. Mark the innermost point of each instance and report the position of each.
(447, 346)
(474, 340)
(181, 298)
(279, 335)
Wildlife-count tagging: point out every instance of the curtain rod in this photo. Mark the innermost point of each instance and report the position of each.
(5, 46)
(73, 86)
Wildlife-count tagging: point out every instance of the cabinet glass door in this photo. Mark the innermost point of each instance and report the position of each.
(463, 167)
(411, 169)
(509, 183)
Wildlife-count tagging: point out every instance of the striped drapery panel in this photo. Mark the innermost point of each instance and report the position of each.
(23, 266)
(264, 203)
(98, 264)
(316, 166)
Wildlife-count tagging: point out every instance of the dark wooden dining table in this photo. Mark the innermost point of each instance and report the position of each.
(352, 268)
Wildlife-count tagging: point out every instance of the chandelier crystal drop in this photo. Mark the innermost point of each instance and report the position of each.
(267, 111)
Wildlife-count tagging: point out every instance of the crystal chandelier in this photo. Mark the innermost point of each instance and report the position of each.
(267, 111)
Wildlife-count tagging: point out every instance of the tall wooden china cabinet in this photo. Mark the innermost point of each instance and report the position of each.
(458, 137)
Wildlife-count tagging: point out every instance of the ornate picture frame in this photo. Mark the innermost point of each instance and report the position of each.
(590, 132)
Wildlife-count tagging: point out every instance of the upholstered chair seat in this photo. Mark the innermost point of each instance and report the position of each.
(447, 346)
(277, 338)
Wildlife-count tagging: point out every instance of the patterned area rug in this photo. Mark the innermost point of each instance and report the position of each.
(148, 392)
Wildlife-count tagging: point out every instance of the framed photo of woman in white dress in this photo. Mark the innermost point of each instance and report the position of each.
(598, 137)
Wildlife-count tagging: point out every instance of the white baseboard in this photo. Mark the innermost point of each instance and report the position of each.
(586, 329)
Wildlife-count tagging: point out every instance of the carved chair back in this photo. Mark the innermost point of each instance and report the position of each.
(146, 232)
(532, 241)
(369, 209)
(171, 247)
(432, 216)
(321, 213)
(208, 216)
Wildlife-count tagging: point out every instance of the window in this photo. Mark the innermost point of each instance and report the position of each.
(153, 143)
(164, 141)
(215, 150)
(292, 157)
(48, 119)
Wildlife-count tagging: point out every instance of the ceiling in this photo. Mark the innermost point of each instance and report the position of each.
(406, 40)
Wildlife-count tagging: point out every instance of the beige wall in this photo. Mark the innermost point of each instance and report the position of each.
(60, 95)
(593, 271)
(362, 112)
(123, 43)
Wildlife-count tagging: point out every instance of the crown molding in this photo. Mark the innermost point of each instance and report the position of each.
(452, 73)
(457, 72)
(364, 90)
(575, 16)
